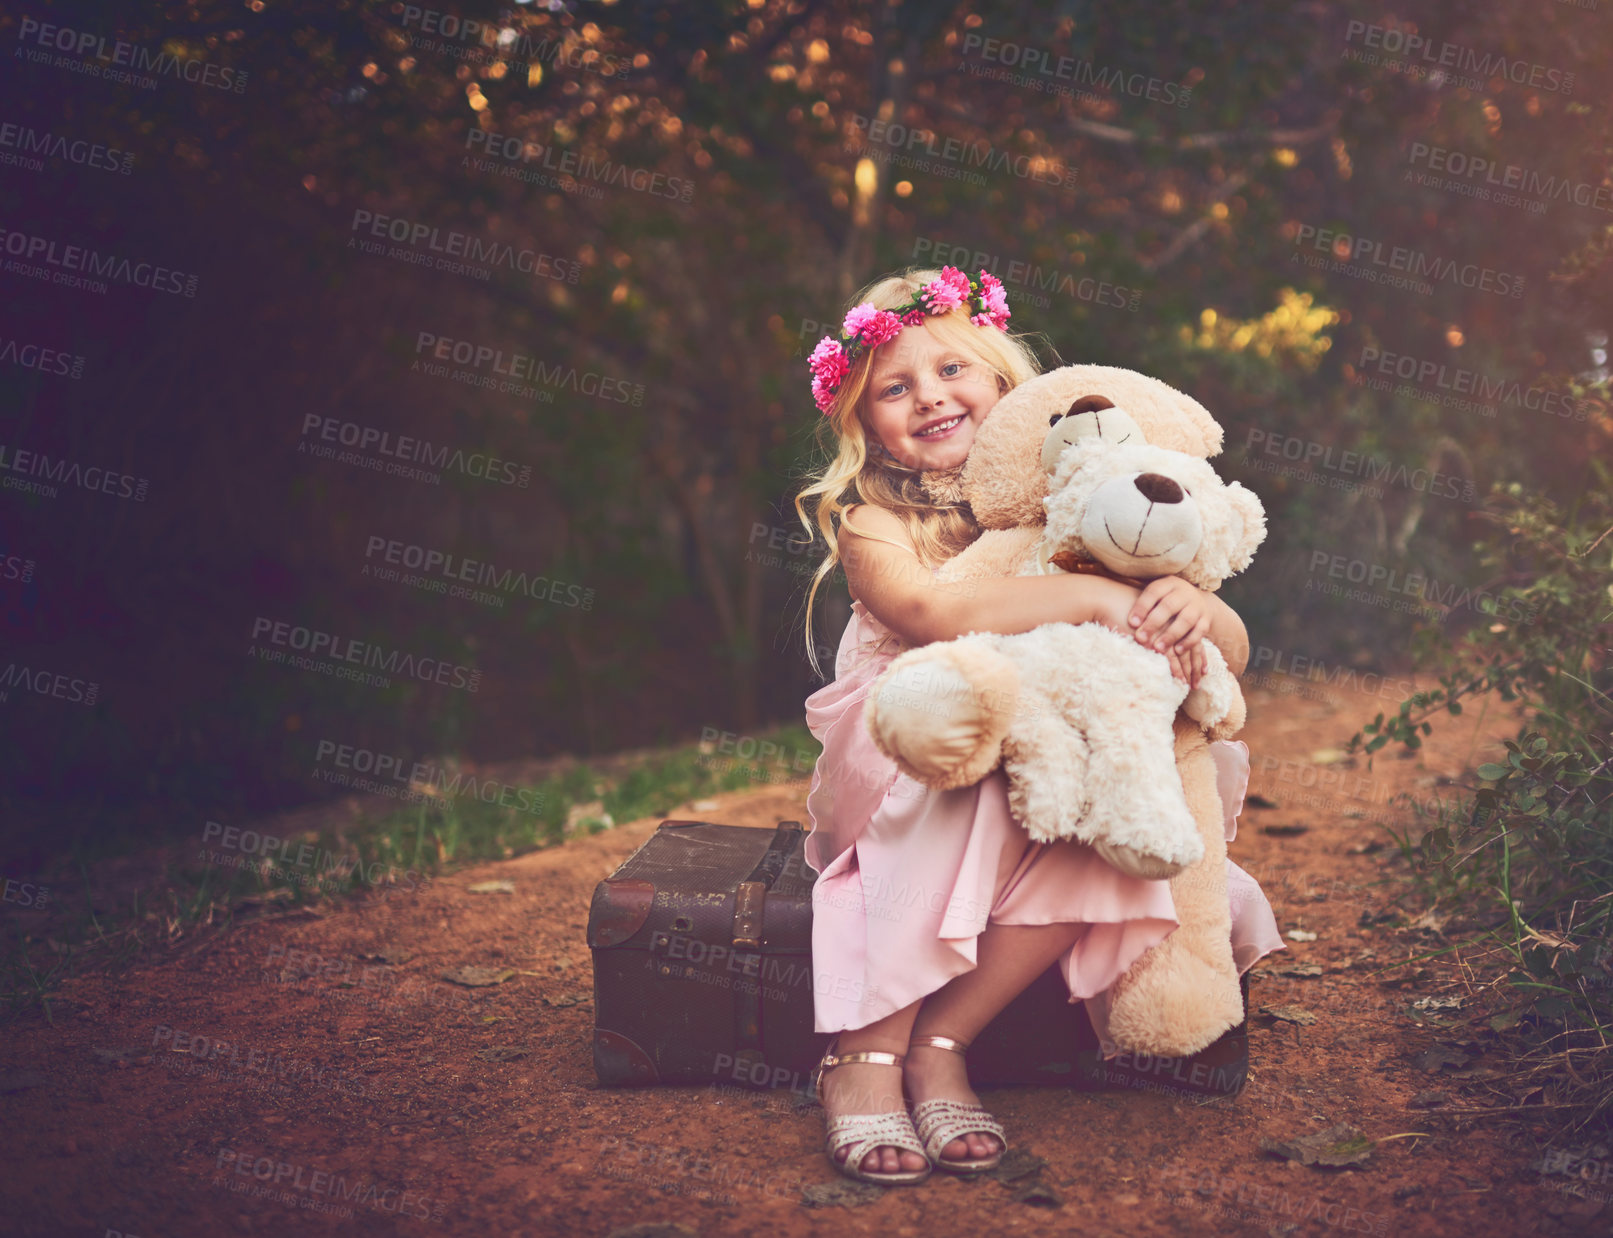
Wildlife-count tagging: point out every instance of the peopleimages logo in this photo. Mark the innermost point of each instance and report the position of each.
(480, 255)
(1031, 60)
(1367, 254)
(38, 357)
(316, 644)
(321, 1190)
(1472, 169)
(27, 248)
(519, 367)
(1421, 373)
(94, 55)
(1029, 277)
(568, 163)
(391, 774)
(86, 154)
(397, 453)
(498, 36)
(902, 139)
(1453, 57)
(65, 472)
(451, 568)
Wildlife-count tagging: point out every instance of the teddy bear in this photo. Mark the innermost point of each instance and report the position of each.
(1094, 468)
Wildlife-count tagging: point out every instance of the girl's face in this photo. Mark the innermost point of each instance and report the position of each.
(925, 400)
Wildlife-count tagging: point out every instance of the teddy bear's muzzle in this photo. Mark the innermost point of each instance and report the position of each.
(1142, 525)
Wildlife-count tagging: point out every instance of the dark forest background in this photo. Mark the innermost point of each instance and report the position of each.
(1167, 230)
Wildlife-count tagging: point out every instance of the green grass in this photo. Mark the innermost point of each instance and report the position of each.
(206, 890)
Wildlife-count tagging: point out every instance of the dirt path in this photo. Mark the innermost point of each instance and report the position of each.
(123, 1118)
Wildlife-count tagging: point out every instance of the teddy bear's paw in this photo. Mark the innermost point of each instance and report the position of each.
(1175, 1005)
(1216, 697)
(1138, 864)
(1208, 709)
(1143, 811)
(942, 715)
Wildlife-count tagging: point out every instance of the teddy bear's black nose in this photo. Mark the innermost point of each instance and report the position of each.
(1157, 488)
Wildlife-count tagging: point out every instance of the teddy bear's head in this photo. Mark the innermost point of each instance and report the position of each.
(1143, 510)
(1021, 441)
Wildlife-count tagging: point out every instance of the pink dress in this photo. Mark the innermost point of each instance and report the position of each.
(908, 877)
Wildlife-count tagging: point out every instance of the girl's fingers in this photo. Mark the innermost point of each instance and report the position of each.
(1154, 624)
(1174, 631)
(1193, 638)
(1142, 609)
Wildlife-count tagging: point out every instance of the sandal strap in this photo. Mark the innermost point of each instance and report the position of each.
(939, 1042)
(867, 1131)
(876, 1057)
(940, 1121)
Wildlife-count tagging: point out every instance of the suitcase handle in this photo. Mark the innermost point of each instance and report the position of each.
(750, 896)
(750, 905)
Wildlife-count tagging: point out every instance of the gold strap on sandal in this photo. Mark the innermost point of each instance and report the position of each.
(939, 1042)
(874, 1057)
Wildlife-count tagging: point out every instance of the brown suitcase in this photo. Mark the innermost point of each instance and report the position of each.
(702, 950)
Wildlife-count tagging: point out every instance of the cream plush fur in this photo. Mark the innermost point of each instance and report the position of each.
(1099, 742)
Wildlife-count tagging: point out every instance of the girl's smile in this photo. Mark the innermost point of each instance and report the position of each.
(926, 400)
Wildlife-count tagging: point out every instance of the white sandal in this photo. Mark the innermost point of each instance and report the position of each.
(865, 1132)
(940, 1121)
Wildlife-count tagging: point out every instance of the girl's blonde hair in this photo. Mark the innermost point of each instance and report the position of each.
(856, 473)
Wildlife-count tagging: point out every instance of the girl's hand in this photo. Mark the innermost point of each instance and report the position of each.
(1171, 617)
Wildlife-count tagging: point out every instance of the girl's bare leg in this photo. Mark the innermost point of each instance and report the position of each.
(1008, 958)
(866, 1088)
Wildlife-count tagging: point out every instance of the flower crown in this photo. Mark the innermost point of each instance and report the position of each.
(866, 327)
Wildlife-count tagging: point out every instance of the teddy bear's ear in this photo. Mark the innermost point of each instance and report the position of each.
(1248, 520)
(1234, 525)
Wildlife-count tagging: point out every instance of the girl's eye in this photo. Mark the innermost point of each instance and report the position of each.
(951, 367)
(893, 389)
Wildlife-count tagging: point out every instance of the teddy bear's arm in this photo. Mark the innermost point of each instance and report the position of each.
(994, 554)
(1216, 703)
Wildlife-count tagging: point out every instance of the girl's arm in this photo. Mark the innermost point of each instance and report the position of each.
(896, 586)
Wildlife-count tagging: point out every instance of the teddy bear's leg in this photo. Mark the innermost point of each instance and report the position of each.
(1184, 993)
(1216, 702)
(941, 712)
(1046, 763)
(1129, 711)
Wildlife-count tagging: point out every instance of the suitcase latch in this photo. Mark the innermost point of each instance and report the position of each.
(750, 898)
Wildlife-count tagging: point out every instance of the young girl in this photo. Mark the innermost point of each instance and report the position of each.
(933, 910)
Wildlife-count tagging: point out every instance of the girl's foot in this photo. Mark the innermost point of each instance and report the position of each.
(863, 1087)
(941, 1074)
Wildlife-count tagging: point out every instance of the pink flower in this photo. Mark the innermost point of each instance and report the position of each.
(829, 369)
(883, 326)
(913, 317)
(946, 292)
(828, 358)
(858, 319)
(994, 303)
